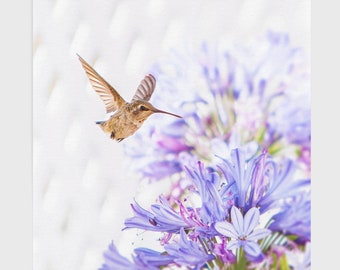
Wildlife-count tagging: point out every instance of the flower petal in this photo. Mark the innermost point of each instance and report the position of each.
(251, 220)
(258, 234)
(187, 252)
(152, 258)
(226, 229)
(237, 220)
(252, 248)
(233, 244)
(113, 259)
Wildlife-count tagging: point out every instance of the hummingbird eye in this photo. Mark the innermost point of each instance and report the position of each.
(143, 108)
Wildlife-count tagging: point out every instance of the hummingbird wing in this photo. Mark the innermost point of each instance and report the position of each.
(145, 88)
(107, 93)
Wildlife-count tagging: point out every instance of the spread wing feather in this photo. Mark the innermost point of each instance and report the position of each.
(145, 88)
(106, 92)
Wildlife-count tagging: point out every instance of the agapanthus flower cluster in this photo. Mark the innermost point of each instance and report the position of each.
(232, 215)
(239, 161)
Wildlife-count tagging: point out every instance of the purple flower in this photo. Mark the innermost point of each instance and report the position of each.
(249, 177)
(294, 218)
(113, 260)
(260, 181)
(252, 185)
(207, 184)
(161, 168)
(187, 252)
(282, 185)
(163, 218)
(143, 259)
(148, 257)
(241, 231)
(300, 260)
(226, 255)
(239, 171)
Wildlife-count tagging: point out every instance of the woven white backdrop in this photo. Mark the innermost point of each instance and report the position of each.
(81, 188)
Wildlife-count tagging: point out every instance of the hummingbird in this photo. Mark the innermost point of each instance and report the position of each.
(128, 117)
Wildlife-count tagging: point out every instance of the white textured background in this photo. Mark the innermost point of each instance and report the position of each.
(81, 192)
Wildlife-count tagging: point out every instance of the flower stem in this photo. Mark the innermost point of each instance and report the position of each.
(241, 263)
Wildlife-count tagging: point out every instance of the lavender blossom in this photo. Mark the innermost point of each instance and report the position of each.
(114, 260)
(149, 258)
(187, 252)
(300, 260)
(242, 231)
(207, 184)
(226, 255)
(208, 233)
(162, 218)
(282, 185)
(239, 171)
(260, 181)
(294, 218)
(143, 259)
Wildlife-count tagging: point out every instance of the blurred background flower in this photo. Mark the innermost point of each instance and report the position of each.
(255, 95)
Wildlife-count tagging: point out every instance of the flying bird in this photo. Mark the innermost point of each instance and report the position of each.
(128, 117)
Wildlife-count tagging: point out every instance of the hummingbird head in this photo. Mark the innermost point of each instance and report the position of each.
(143, 109)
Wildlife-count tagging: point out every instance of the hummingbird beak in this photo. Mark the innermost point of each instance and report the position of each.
(159, 111)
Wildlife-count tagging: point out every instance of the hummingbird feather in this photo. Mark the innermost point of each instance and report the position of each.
(145, 88)
(106, 92)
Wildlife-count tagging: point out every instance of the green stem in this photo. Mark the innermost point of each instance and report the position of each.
(241, 263)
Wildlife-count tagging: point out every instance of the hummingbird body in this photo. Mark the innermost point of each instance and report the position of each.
(125, 122)
(128, 117)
